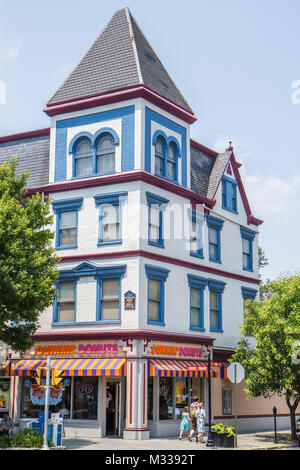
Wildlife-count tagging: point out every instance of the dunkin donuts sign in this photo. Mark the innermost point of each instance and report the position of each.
(77, 350)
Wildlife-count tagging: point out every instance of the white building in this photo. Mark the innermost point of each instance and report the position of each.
(157, 241)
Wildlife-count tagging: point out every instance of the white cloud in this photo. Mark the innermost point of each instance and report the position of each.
(10, 49)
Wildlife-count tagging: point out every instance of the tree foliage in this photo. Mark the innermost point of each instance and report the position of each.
(271, 365)
(27, 258)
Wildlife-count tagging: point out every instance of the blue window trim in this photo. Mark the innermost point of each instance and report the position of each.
(248, 234)
(217, 287)
(197, 282)
(217, 224)
(248, 293)
(167, 142)
(198, 217)
(157, 273)
(65, 205)
(114, 199)
(152, 116)
(94, 138)
(127, 117)
(229, 203)
(55, 320)
(153, 199)
(99, 273)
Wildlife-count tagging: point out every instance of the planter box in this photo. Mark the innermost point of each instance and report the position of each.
(221, 440)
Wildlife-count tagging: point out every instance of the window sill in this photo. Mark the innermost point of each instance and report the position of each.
(66, 247)
(215, 260)
(72, 323)
(196, 255)
(248, 269)
(167, 179)
(216, 330)
(230, 210)
(152, 322)
(111, 242)
(197, 328)
(92, 175)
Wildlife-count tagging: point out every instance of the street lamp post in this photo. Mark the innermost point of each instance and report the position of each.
(210, 442)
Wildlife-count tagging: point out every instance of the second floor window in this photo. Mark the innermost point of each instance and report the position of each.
(110, 299)
(248, 236)
(66, 301)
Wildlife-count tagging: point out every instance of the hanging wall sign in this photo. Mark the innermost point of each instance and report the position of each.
(129, 300)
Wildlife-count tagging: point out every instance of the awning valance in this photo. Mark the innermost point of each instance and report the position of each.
(173, 368)
(74, 367)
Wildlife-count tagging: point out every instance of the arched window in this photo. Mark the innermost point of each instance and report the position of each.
(159, 157)
(84, 157)
(106, 154)
(171, 162)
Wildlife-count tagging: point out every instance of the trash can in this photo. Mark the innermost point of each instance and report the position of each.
(55, 433)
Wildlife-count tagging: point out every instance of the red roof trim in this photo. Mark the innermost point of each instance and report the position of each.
(123, 178)
(161, 258)
(203, 149)
(250, 218)
(139, 91)
(25, 135)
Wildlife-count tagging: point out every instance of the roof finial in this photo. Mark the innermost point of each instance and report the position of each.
(230, 148)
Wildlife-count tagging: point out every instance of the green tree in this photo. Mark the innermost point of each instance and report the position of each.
(27, 259)
(271, 364)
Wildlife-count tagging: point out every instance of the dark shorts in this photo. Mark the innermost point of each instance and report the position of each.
(194, 423)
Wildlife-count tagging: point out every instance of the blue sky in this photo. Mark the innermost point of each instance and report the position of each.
(236, 62)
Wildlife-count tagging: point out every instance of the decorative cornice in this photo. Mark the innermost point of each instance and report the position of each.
(161, 258)
(127, 177)
(122, 94)
(72, 335)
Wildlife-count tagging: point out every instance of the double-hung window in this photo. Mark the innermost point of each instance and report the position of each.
(197, 285)
(66, 222)
(229, 194)
(109, 293)
(156, 293)
(110, 216)
(106, 154)
(84, 157)
(167, 152)
(196, 233)
(214, 225)
(216, 289)
(160, 148)
(155, 219)
(65, 304)
(248, 236)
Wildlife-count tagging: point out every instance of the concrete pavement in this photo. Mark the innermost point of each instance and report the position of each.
(254, 441)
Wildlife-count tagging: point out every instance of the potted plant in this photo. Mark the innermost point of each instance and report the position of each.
(224, 436)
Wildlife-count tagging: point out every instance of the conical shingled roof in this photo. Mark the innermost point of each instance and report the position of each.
(120, 57)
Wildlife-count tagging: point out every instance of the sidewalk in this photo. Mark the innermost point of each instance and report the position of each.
(255, 441)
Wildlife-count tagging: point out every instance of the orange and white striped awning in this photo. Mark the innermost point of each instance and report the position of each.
(74, 367)
(173, 368)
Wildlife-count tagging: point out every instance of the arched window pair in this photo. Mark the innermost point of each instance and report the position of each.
(166, 159)
(97, 159)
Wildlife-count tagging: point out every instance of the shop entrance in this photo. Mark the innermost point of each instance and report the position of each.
(113, 408)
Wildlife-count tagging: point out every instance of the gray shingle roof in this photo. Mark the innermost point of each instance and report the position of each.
(217, 173)
(119, 58)
(34, 156)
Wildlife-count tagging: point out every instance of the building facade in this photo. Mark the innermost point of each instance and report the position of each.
(158, 248)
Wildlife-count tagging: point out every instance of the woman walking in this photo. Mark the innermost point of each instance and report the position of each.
(184, 425)
(200, 421)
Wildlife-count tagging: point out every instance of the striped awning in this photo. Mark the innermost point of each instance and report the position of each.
(74, 367)
(5, 369)
(173, 368)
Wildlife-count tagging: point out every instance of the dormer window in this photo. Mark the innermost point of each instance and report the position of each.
(106, 154)
(84, 157)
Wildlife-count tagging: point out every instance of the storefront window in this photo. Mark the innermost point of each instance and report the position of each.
(33, 400)
(4, 396)
(181, 395)
(166, 408)
(85, 398)
(150, 398)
